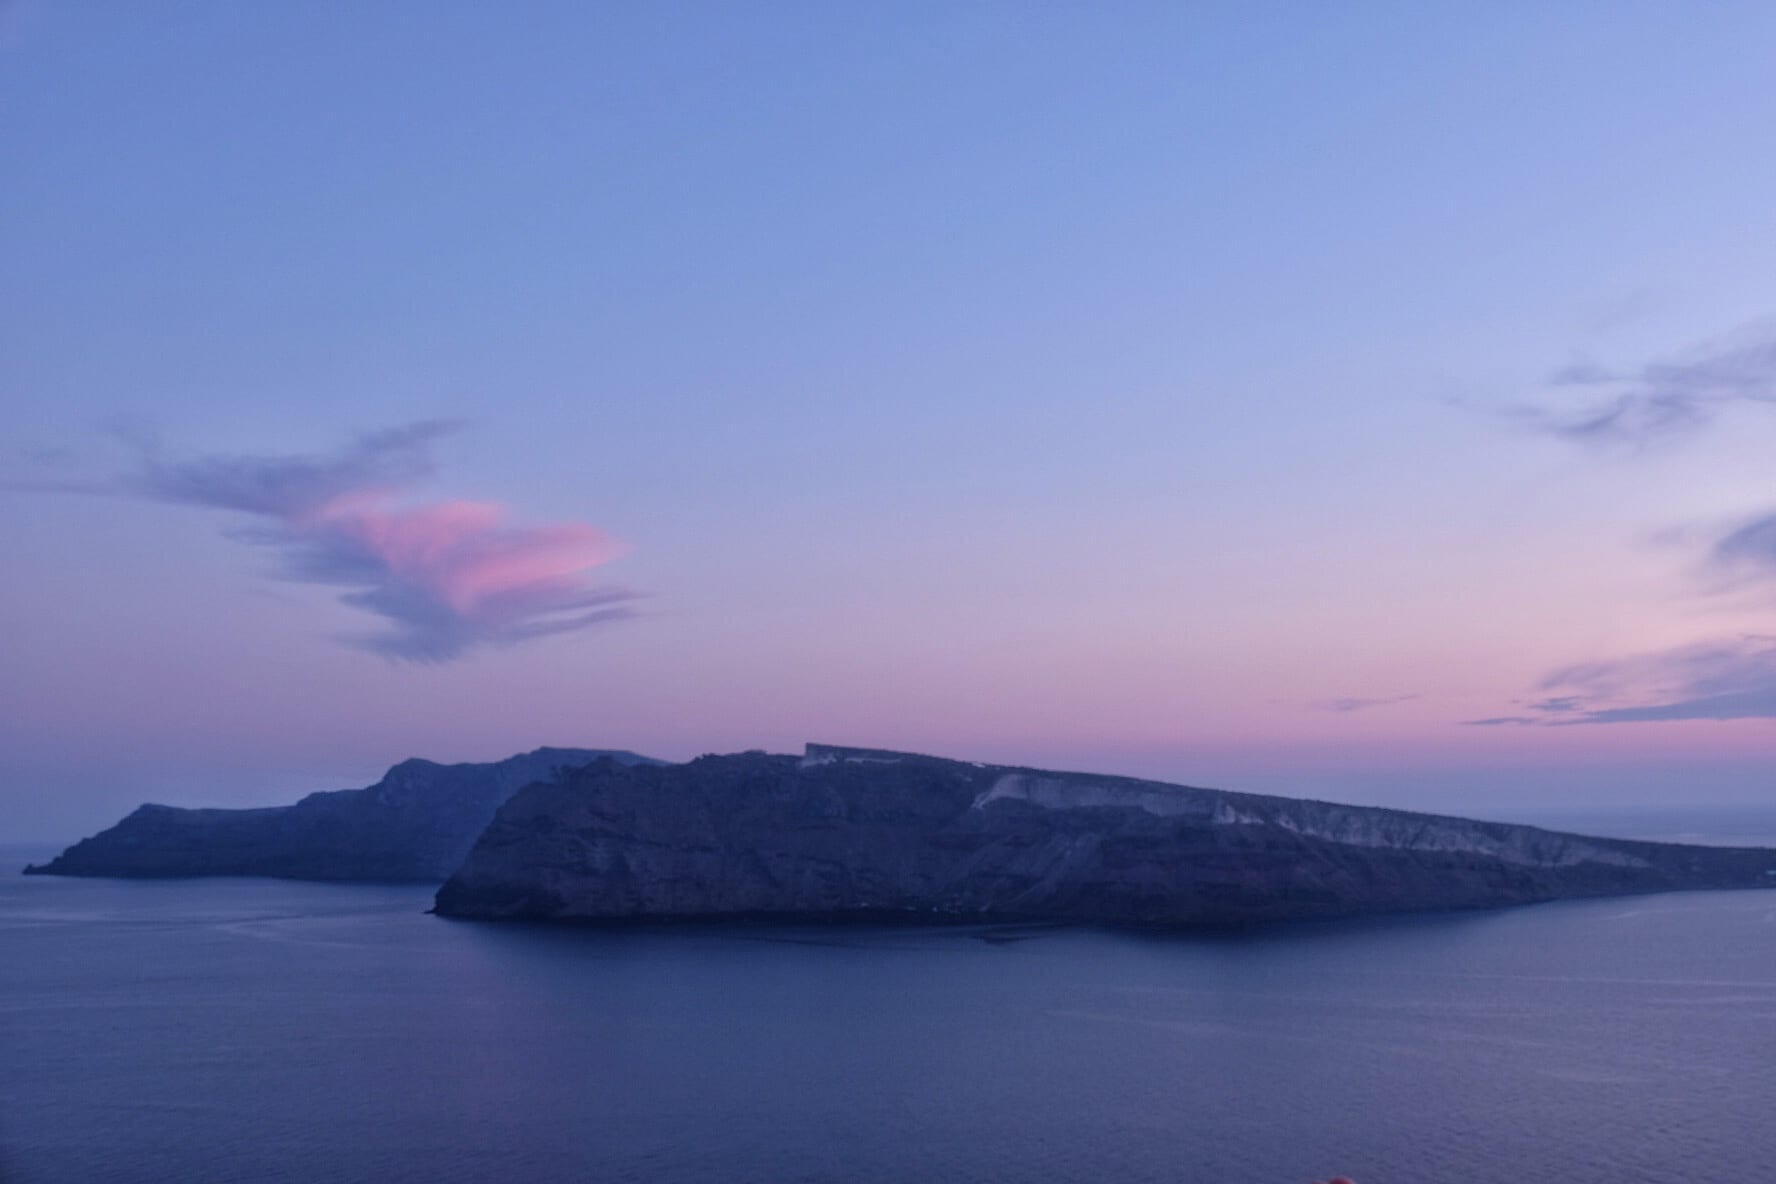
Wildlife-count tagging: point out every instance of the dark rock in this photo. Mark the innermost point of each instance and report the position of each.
(417, 823)
(855, 833)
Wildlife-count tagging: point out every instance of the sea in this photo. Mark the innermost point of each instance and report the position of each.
(272, 1032)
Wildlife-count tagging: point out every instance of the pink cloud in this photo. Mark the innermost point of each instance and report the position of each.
(461, 552)
(446, 577)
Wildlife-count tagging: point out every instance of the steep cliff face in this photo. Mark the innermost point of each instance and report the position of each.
(855, 832)
(417, 823)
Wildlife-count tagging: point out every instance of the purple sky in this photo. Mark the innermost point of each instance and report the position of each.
(1369, 402)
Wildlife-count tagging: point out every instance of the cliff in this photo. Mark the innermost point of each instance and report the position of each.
(844, 832)
(417, 823)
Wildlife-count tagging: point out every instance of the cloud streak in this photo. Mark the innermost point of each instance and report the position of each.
(1722, 679)
(1731, 678)
(1728, 679)
(1747, 553)
(1665, 397)
(1354, 703)
(445, 577)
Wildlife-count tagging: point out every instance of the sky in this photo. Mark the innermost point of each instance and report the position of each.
(1370, 402)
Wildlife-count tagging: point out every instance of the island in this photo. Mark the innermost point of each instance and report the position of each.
(416, 824)
(854, 833)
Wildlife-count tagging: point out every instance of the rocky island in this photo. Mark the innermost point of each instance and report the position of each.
(858, 833)
(417, 823)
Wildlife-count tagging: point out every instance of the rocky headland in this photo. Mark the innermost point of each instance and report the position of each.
(417, 823)
(858, 833)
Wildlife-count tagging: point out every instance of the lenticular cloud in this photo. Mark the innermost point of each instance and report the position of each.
(445, 577)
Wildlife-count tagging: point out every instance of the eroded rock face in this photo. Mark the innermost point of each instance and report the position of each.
(861, 833)
(417, 823)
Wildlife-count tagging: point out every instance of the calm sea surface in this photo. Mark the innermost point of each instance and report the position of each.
(253, 1030)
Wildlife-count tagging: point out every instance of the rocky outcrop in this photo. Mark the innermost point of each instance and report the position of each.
(845, 832)
(417, 823)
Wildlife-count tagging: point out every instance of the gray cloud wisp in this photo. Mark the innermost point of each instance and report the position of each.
(1734, 678)
(1664, 397)
(1345, 706)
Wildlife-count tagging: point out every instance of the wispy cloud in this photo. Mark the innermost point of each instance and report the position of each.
(1730, 678)
(445, 577)
(1721, 679)
(376, 464)
(1665, 396)
(1746, 554)
(1733, 678)
(1344, 706)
